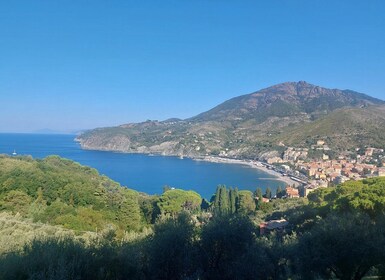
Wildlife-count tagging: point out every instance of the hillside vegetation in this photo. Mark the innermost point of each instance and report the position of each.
(339, 234)
(250, 125)
(51, 196)
(61, 192)
(341, 128)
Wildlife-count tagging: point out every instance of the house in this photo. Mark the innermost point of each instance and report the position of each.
(274, 160)
(264, 199)
(340, 179)
(369, 152)
(273, 225)
(307, 191)
(333, 176)
(304, 190)
(320, 143)
(312, 171)
(381, 171)
(292, 192)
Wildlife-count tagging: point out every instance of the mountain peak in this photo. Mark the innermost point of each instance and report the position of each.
(287, 99)
(300, 87)
(299, 84)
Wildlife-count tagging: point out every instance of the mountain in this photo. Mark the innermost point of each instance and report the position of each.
(287, 99)
(362, 126)
(292, 113)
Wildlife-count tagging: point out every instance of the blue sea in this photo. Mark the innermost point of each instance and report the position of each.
(142, 172)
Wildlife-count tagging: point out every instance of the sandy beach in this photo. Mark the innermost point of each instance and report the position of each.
(254, 164)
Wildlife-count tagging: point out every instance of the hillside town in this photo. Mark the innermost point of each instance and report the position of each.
(360, 164)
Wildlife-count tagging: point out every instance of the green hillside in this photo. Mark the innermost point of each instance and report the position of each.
(342, 129)
(61, 192)
(338, 234)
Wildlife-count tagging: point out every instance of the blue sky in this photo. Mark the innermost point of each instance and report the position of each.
(69, 65)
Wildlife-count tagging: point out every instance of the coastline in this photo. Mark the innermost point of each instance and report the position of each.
(253, 164)
(214, 159)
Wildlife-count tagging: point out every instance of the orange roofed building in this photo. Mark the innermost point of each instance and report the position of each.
(292, 192)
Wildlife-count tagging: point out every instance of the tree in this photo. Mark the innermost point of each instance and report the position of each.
(170, 250)
(222, 203)
(366, 196)
(149, 208)
(246, 202)
(258, 201)
(53, 258)
(268, 193)
(215, 198)
(205, 205)
(258, 192)
(129, 214)
(345, 246)
(236, 193)
(223, 200)
(233, 200)
(279, 193)
(16, 201)
(175, 201)
(225, 242)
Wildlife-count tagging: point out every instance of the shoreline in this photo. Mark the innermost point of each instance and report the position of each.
(215, 159)
(253, 164)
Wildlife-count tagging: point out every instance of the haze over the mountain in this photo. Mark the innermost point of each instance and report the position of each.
(292, 113)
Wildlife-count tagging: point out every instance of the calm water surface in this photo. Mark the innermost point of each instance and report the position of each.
(141, 172)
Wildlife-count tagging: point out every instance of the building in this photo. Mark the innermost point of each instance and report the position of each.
(320, 143)
(273, 225)
(292, 192)
(381, 171)
(264, 199)
(307, 191)
(369, 152)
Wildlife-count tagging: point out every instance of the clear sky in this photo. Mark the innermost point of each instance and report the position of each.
(76, 64)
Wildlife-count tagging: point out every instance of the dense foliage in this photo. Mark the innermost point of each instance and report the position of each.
(338, 234)
(62, 192)
(231, 200)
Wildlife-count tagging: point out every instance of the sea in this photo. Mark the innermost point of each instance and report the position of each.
(144, 173)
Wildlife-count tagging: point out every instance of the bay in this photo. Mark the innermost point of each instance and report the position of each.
(142, 172)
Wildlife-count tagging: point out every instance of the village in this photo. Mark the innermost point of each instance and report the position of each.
(312, 174)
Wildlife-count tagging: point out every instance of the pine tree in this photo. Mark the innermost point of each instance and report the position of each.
(223, 200)
(259, 201)
(258, 192)
(268, 193)
(236, 199)
(278, 193)
(232, 200)
(216, 198)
